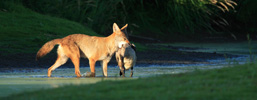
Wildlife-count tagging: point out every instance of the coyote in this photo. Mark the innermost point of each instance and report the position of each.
(92, 47)
(126, 58)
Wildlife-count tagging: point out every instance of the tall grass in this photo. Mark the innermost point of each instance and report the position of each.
(24, 31)
(155, 18)
(246, 15)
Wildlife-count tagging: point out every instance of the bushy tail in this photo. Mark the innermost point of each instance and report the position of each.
(47, 47)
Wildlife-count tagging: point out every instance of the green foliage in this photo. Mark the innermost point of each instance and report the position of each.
(246, 14)
(22, 30)
(153, 18)
(227, 83)
(162, 19)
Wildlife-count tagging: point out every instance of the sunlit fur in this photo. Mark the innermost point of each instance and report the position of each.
(80, 45)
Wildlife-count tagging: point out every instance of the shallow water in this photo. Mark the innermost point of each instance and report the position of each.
(13, 81)
(30, 79)
(21, 80)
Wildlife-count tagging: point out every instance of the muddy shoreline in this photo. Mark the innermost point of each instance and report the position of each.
(168, 56)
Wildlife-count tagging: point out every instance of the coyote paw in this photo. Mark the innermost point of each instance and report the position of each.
(89, 74)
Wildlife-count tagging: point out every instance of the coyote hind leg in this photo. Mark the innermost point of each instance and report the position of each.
(72, 51)
(61, 59)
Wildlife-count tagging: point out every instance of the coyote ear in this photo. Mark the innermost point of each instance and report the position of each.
(115, 27)
(124, 27)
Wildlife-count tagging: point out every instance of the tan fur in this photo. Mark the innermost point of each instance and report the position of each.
(47, 47)
(79, 45)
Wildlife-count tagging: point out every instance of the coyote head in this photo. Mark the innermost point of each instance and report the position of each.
(120, 36)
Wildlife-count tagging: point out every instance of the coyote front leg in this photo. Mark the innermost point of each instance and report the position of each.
(92, 68)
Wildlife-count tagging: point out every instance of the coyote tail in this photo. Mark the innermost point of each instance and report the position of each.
(47, 47)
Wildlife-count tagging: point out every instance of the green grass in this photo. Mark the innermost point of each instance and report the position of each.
(25, 31)
(230, 83)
